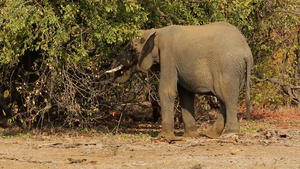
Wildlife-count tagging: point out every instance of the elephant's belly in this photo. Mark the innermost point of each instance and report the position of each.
(196, 86)
(196, 77)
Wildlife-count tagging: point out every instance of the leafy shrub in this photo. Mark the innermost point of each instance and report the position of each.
(53, 53)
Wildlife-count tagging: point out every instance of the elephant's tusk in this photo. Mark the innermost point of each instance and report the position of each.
(115, 69)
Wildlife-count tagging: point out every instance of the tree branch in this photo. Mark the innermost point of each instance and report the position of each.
(286, 88)
(165, 16)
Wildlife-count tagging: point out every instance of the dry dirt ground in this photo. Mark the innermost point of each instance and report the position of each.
(271, 139)
(264, 148)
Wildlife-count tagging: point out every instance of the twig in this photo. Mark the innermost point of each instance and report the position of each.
(165, 16)
(119, 122)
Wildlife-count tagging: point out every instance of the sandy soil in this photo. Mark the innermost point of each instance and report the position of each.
(269, 148)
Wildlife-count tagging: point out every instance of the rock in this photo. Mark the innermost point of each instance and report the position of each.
(234, 151)
(197, 166)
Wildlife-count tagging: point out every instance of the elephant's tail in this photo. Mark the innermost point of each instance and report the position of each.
(249, 63)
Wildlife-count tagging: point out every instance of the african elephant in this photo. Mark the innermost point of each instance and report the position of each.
(208, 59)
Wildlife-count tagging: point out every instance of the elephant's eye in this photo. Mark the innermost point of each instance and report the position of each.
(132, 50)
(142, 40)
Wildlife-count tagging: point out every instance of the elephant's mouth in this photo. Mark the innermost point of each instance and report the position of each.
(121, 73)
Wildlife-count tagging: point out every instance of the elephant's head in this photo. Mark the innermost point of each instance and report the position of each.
(139, 55)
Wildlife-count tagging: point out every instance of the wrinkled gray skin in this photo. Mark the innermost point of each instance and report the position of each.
(210, 59)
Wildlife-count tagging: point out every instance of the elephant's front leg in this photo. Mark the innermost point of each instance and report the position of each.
(167, 99)
(167, 94)
(188, 112)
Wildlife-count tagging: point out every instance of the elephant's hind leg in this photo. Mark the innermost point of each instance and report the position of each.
(227, 89)
(188, 112)
(231, 126)
(218, 127)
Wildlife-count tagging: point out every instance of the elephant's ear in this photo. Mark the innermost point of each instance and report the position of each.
(146, 59)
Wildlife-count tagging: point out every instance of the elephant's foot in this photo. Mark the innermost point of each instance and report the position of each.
(167, 135)
(215, 131)
(229, 136)
(229, 132)
(191, 134)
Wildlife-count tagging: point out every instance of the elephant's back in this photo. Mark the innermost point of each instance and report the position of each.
(208, 53)
(217, 33)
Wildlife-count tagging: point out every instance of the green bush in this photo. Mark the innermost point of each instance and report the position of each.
(53, 53)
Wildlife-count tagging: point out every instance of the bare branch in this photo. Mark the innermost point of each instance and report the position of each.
(164, 15)
(287, 89)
